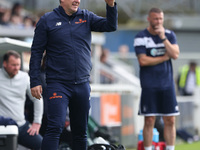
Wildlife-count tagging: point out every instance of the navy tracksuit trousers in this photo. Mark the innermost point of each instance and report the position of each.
(59, 97)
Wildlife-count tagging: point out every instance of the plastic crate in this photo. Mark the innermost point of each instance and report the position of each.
(8, 137)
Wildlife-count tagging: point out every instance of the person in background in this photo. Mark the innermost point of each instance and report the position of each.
(14, 86)
(188, 79)
(105, 76)
(155, 46)
(65, 34)
(17, 15)
(123, 51)
(17, 9)
(28, 22)
(124, 54)
(5, 17)
(16, 21)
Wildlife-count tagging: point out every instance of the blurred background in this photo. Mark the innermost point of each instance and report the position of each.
(114, 78)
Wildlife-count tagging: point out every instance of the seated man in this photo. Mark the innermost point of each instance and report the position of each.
(14, 86)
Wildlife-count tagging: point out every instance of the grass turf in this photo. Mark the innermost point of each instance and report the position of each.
(186, 146)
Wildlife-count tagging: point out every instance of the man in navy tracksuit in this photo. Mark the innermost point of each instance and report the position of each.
(65, 34)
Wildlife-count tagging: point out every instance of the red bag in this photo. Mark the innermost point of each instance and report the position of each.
(155, 146)
(140, 145)
(161, 145)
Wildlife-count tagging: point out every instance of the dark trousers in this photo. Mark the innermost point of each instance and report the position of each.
(32, 142)
(59, 97)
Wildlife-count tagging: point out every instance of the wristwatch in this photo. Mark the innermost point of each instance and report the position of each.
(164, 39)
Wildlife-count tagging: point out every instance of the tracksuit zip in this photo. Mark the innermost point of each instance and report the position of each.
(75, 82)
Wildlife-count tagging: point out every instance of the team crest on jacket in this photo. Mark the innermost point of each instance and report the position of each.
(81, 21)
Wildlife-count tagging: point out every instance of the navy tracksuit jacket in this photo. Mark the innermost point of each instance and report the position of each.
(67, 41)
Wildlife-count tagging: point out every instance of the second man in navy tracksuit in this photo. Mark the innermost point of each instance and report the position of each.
(65, 34)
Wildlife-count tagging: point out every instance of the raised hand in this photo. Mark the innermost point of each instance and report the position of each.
(111, 3)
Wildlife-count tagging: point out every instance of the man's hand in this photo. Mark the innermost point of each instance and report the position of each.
(34, 129)
(37, 91)
(166, 57)
(111, 3)
(160, 31)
